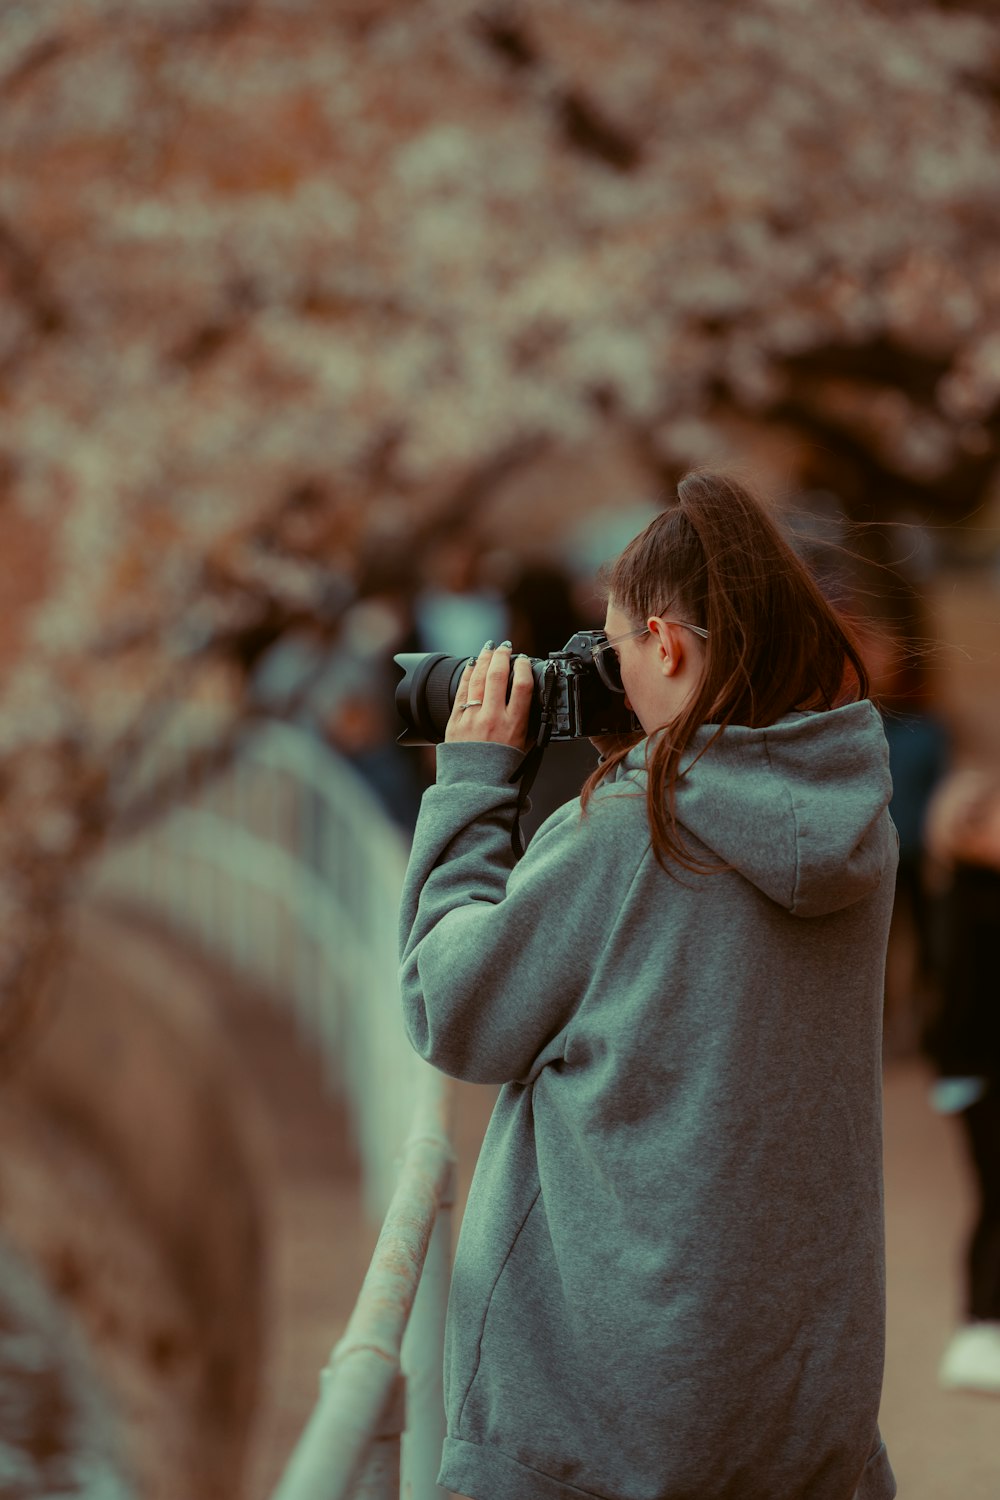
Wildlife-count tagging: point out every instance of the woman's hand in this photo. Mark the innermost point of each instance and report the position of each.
(488, 715)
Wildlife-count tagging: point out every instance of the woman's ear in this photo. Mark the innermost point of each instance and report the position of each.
(670, 645)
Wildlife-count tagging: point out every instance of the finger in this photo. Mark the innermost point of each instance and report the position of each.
(477, 689)
(497, 673)
(462, 692)
(522, 681)
(522, 690)
(478, 683)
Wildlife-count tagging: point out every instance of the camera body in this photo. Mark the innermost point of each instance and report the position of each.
(575, 697)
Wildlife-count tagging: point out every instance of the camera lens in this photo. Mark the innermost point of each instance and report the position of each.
(425, 694)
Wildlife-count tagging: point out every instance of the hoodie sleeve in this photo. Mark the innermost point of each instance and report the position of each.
(496, 955)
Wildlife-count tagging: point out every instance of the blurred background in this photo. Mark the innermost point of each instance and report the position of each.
(331, 329)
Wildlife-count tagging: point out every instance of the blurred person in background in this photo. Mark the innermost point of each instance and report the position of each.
(360, 729)
(670, 1278)
(963, 1042)
(541, 608)
(293, 678)
(897, 651)
(884, 600)
(340, 690)
(359, 721)
(457, 608)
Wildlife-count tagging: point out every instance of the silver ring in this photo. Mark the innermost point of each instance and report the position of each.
(473, 703)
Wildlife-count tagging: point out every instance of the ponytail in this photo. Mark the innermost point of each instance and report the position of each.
(775, 643)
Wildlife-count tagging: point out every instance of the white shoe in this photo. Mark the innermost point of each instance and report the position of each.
(971, 1361)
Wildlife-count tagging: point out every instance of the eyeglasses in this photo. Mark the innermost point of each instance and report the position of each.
(607, 662)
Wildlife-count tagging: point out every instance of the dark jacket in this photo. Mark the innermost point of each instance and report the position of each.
(963, 1037)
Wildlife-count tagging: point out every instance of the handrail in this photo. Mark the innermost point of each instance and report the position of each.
(285, 868)
(359, 1396)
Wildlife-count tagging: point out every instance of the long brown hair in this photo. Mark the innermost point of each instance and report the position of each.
(775, 644)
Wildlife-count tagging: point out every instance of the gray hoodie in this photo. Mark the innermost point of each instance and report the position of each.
(669, 1283)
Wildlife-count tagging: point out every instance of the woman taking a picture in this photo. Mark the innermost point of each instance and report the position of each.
(669, 1283)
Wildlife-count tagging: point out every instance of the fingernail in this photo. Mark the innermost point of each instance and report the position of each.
(488, 646)
(504, 646)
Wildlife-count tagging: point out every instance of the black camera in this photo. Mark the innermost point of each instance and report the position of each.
(578, 693)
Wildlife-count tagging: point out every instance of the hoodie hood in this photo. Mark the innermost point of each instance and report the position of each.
(798, 808)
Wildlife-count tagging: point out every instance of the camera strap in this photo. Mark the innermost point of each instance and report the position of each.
(528, 769)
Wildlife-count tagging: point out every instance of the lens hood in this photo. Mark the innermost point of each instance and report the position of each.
(425, 694)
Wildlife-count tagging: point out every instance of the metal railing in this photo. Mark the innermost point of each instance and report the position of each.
(352, 1445)
(285, 869)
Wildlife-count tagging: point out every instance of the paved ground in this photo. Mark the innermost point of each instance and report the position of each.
(944, 1446)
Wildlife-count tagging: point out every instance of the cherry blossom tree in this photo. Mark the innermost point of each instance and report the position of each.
(281, 280)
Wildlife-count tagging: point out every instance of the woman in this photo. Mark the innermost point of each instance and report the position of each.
(669, 1283)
